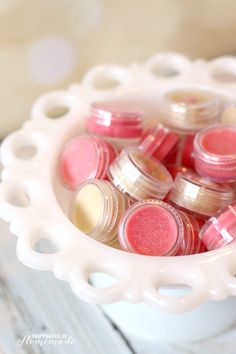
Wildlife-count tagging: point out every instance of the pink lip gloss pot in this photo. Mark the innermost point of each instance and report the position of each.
(159, 142)
(186, 111)
(120, 123)
(155, 228)
(220, 230)
(215, 152)
(139, 176)
(96, 210)
(199, 195)
(85, 157)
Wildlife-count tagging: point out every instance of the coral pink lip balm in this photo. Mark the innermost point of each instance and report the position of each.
(115, 120)
(220, 230)
(215, 152)
(85, 157)
(159, 142)
(151, 228)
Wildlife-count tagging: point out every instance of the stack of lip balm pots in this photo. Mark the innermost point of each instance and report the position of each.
(167, 190)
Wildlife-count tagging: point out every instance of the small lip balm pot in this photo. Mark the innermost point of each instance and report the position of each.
(139, 176)
(220, 230)
(199, 195)
(155, 228)
(96, 210)
(186, 111)
(159, 142)
(117, 122)
(85, 157)
(215, 152)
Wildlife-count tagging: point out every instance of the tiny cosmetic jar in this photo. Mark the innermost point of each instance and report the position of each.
(215, 152)
(186, 111)
(191, 243)
(198, 195)
(120, 123)
(85, 157)
(220, 229)
(159, 142)
(96, 210)
(155, 228)
(139, 176)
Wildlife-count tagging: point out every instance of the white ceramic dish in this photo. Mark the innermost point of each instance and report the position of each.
(148, 293)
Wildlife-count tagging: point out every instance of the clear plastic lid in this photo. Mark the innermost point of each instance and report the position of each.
(189, 110)
(139, 176)
(159, 142)
(199, 194)
(220, 230)
(116, 119)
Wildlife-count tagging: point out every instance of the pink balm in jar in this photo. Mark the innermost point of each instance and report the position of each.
(85, 157)
(159, 142)
(215, 152)
(151, 228)
(220, 230)
(120, 123)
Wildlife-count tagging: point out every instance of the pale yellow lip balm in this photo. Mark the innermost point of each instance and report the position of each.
(96, 210)
(89, 207)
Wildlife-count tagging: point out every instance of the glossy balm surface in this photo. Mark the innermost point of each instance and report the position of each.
(88, 208)
(85, 157)
(220, 141)
(215, 152)
(151, 230)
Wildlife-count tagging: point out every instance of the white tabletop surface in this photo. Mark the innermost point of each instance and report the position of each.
(33, 302)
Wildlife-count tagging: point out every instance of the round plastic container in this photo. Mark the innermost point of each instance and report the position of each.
(85, 157)
(159, 142)
(215, 152)
(198, 195)
(101, 221)
(139, 176)
(188, 110)
(168, 232)
(120, 123)
(220, 230)
(174, 299)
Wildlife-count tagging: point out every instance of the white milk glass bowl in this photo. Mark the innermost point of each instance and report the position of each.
(154, 298)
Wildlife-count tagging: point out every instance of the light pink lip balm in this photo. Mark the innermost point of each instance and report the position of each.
(85, 157)
(215, 152)
(220, 230)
